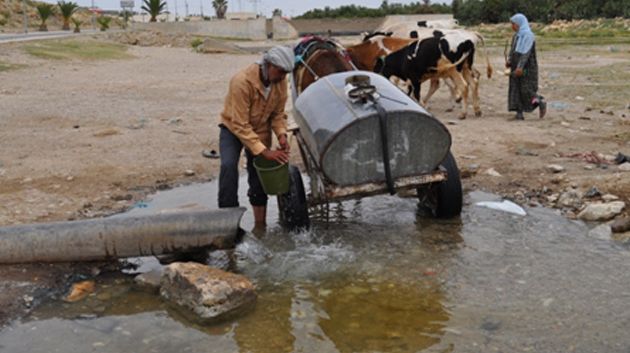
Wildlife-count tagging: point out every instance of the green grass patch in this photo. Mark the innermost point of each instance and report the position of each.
(77, 50)
(196, 42)
(602, 31)
(4, 66)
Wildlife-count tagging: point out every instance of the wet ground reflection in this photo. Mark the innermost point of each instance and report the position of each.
(376, 278)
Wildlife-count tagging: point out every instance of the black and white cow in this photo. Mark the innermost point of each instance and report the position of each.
(456, 40)
(427, 59)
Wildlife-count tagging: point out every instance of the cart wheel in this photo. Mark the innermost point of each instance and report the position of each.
(443, 200)
(292, 206)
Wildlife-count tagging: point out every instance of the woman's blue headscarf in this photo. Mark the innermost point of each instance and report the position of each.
(524, 36)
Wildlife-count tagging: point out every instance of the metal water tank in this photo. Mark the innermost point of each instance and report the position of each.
(343, 135)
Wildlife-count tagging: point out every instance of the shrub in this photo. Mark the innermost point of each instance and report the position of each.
(196, 42)
(104, 22)
(77, 25)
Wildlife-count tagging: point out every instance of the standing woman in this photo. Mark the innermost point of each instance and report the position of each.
(523, 92)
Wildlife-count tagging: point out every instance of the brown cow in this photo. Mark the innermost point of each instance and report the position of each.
(374, 46)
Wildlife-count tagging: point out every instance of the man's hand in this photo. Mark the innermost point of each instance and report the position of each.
(279, 156)
(284, 144)
(518, 72)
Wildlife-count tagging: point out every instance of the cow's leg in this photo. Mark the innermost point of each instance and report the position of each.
(461, 86)
(395, 80)
(457, 97)
(415, 82)
(475, 91)
(435, 84)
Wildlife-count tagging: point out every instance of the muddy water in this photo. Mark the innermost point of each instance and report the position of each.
(374, 277)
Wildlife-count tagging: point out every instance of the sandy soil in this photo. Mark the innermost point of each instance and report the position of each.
(86, 139)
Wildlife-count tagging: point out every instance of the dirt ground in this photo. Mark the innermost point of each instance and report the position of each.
(81, 139)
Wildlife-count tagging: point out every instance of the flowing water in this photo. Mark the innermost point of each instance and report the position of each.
(373, 277)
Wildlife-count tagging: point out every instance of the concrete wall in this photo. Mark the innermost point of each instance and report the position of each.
(338, 26)
(282, 29)
(257, 29)
(243, 29)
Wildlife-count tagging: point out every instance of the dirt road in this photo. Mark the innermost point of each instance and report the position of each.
(89, 138)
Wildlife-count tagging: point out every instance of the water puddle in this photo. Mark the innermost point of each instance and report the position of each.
(374, 277)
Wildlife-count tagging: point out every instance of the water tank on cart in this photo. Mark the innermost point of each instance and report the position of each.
(342, 132)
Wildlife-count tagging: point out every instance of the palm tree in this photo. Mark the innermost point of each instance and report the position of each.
(220, 7)
(67, 9)
(154, 8)
(77, 25)
(44, 11)
(104, 21)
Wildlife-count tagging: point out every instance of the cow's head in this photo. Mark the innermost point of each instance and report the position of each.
(364, 54)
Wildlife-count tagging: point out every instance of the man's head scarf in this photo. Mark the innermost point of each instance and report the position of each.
(524, 36)
(281, 57)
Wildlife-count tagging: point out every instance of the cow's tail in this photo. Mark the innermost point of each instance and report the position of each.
(444, 68)
(489, 69)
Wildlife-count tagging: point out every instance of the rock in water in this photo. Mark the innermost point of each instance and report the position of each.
(601, 232)
(208, 292)
(149, 281)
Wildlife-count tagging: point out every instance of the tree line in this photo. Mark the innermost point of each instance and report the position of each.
(545, 11)
(352, 11)
(487, 11)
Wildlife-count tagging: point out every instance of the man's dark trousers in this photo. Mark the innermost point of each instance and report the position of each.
(230, 148)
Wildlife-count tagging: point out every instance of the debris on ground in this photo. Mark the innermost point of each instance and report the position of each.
(213, 154)
(492, 172)
(589, 157)
(505, 206)
(621, 158)
(80, 290)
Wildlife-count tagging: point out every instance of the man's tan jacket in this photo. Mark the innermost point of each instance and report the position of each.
(251, 117)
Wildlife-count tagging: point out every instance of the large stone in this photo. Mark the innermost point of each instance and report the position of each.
(208, 292)
(601, 211)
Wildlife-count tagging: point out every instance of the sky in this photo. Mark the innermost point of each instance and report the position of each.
(289, 7)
